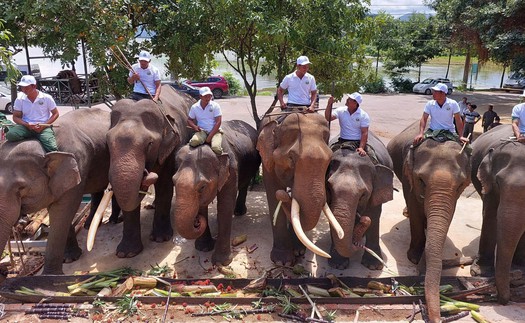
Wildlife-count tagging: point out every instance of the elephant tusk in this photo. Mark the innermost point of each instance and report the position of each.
(276, 213)
(97, 218)
(296, 224)
(333, 221)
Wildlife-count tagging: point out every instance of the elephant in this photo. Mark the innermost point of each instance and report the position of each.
(31, 180)
(498, 169)
(356, 186)
(433, 175)
(202, 175)
(295, 156)
(142, 140)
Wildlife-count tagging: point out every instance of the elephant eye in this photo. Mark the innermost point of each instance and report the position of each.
(201, 187)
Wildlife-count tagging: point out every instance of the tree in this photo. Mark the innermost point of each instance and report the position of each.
(6, 63)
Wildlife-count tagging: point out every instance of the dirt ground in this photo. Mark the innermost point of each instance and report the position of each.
(389, 114)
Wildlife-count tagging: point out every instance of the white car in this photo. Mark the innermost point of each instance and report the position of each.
(424, 87)
(5, 103)
(516, 80)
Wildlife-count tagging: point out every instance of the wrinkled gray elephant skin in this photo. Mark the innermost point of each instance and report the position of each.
(31, 180)
(143, 139)
(356, 187)
(433, 176)
(498, 174)
(203, 176)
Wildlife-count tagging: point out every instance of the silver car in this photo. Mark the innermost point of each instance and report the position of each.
(5, 103)
(516, 80)
(424, 87)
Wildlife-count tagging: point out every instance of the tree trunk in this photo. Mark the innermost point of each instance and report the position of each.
(448, 65)
(502, 76)
(466, 69)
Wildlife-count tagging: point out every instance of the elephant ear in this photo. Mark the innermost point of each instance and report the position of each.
(170, 140)
(485, 173)
(408, 168)
(266, 145)
(383, 186)
(63, 172)
(224, 170)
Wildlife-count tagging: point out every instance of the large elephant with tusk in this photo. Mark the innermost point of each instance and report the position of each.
(142, 141)
(295, 156)
(357, 187)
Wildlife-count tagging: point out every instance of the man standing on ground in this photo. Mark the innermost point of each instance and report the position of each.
(518, 120)
(205, 118)
(302, 89)
(145, 79)
(471, 118)
(34, 112)
(442, 111)
(488, 118)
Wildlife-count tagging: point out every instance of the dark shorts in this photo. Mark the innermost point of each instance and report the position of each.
(139, 96)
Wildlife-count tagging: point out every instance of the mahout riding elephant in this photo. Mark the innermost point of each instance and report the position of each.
(357, 187)
(142, 141)
(31, 180)
(202, 175)
(295, 157)
(433, 175)
(498, 173)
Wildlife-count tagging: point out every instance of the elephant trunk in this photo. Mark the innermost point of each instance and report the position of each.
(189, 223)
(345, 212)
(126, 175)
(440, 205)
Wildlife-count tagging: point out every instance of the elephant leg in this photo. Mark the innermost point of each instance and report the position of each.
(131, 243)
(115, 211)
(484, 264)
(240, 203)
(372, 240)
(162, 229)
(73, 250)
(95, 201)
(507, 242)
(417, 229)
(205, 242)
(225, 207)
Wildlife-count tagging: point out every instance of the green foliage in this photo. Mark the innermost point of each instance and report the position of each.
(402, 84)
(375, 85)
(5, 55)
(233, 83)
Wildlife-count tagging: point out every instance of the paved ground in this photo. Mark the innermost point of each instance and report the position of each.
(389, 114)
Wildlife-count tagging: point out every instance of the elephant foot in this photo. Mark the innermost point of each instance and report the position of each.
(240, 210)
(481, 270)
(161, 236)
(372, 262)
(282, 257)
(129, 249)
(415, 255)
(337, 261)
(221, 258)
(504, 296)
(72, 254)
(204, 244)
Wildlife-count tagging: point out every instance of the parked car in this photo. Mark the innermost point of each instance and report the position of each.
(217, 84)
(516, 80)
(5, 103)
(424, 87)
(186, 88)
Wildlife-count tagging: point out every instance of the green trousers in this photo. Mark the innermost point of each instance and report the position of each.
(216, 142)
(46, 137)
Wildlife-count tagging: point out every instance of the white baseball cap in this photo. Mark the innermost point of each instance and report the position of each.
(440, 87)
(27, 80)
(303, 60)
(357, 97)
(205, 91)
(144, 56)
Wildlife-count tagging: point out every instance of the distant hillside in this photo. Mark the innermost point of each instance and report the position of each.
(407, 16)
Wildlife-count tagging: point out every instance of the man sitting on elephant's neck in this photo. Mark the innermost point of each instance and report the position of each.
(302, 89)
(518, 120)
(443, 112)
(34, 112)
(354, 123)
(205, 118)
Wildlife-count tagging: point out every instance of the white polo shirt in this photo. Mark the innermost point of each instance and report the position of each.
(205, 117)
(519, 112)
(351, 124)
(148, 76)
(442, 118)
(299, 89)
(35, 112)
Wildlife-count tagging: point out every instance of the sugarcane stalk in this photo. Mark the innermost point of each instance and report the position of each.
(194, 288)
(77, 285)
(317, 291)
(470, 306)
(478, 317)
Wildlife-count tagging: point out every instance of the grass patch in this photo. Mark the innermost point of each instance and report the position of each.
(460, 60)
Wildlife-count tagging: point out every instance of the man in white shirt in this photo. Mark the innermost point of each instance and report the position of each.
(518, 120)
(301, 86)
(443, 112)
(145, 79)
(34, 112)
(205, 118)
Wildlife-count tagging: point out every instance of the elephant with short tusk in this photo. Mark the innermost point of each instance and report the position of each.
(355, 186)
(295, 155)
(498, 174)
(203, 176)
(433, 175)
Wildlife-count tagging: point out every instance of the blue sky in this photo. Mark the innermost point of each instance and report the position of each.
(398, 8)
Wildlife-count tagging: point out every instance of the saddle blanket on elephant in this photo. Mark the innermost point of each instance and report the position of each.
(353, 145)
(442, 135)
(289, 109)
